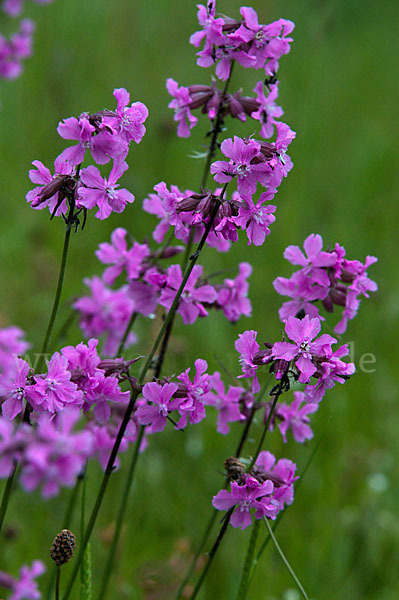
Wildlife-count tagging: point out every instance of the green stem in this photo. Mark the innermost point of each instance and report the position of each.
(284, 559)
(120, 516)
(212, 553)
(66, 524)
(127, 331)
(7, 493)
(242, 590)
(82, 527)
(57, 584)
(133, 397)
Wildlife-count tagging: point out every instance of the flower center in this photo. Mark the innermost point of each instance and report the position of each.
(242, 169)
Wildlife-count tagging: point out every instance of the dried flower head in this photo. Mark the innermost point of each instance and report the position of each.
(63, 546)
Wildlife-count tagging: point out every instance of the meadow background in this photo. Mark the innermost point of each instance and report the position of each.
(337, 88)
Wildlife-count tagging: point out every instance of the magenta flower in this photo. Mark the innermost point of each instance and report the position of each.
(14, 7)
(193, 394)
(192, 298)
(129, 120)
(18, 47)
(103, 395)
(12, 389)
(145, 294)
(102, 192)
(233, 294)
(180, 104)
(55, 456)
(302, 332)
(83, 364)
(118, 255)
(268, 111)
(12, 445)
(281, 473)
(296, 418)
(244, 497)
(242, 165)
(103, 145)
(303, 291)
(50, 191)
(247, 346)
(329, 373)
(12, 344)
(313, 261)
(256, 218)
(156, 413)
(105, 311)
(54, 391)
(226, 403)
(24, 588)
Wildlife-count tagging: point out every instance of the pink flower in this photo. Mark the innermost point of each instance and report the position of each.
(193, 394)
(128, 123)
(12, 389)
(51, 189)
(102, 192)
(118, 255)
(180, 104)
(103, 145)
(233, 294)
(296, 417)
(192, 299)
(226, 403)
(156, 413)
(24, 588)
(302, 332)
(256, 218)
(281, 473)
(313, 261)
(268, 111)
(244, 497)
(54, 391)
(303, 291)
(248, 347)
(242, 165)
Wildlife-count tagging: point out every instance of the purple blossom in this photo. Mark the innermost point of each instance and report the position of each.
(145, 294)
(256, 218)
(118, 255)
(14, 7)
(102, 192)
(180, 103)
(193, 394)
(54, 391)
(313, 261)
(233, 294)
(248, 347)
(128, 122)
(12, 389)
(303, 351)
(226, 403)
(11, 445)
(267, 111)
(55, 455)
(24, 588)
(242, 165)
(50, 191)
(281, 473)
(17, 48)
(329, 373)
(83, 361)
(103, 394)
(250, 495)
(103, 146)
(156, 413)
(192, 299)
(12, 345)
(303, 291)
(295, 416)
(105, 311)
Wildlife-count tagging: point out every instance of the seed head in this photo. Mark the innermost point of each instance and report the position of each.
(62, 548)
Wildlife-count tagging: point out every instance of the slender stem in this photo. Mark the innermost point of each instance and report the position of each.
(6, 494)
(66, 524)
(212, 553)
(57, 584)
(120, 516)
(204, 539)
(211, 521)
(164, 347)
(82, 527)
(133, 397)
(284, 559)
(242, 590)
(127, 331)
(69, 225)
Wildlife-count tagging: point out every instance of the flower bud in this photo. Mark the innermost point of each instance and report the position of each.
(63, 546)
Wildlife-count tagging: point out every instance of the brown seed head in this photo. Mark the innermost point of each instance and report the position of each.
(62, 548)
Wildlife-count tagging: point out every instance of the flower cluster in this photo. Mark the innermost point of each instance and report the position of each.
(327, 276)
(266, 489)
(107, 134)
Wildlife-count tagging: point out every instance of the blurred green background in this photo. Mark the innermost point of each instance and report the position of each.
(337, 88)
